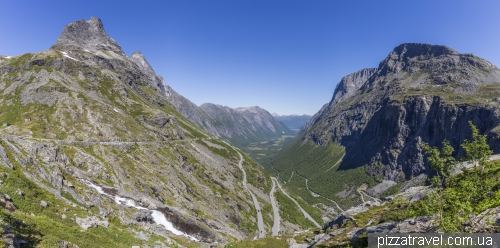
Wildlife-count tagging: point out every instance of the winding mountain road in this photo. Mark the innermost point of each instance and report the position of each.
(318, 195)
(307, 215)
(276, 212)
(260, 221)
(338, 162)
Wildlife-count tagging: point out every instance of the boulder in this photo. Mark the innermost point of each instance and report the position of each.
(67, 244)
(9, 238)
(487, 221)
(20, 192)
(91, 222)
(143, 215)
(6, 203)
(422, 224)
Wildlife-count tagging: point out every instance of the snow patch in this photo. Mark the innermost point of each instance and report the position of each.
(8, 57)
(158, 217)
(65, 54)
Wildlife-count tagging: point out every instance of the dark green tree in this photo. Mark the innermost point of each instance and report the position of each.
(456, 197)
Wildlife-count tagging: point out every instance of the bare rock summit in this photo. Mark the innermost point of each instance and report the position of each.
(86, 35)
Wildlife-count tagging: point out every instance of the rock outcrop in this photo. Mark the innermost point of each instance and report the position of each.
(140, 60)
(91, 222)
(346, 88)
(87, 35)
(9, 238)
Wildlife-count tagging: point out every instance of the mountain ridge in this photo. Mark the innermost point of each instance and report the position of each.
(419, 93)
(80, 122)
(412, 58)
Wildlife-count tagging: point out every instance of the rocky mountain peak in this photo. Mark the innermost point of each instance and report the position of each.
(350, 83)
(86, 35)
(411, 50)
(140, 60)
(408, 54)
(251, 109)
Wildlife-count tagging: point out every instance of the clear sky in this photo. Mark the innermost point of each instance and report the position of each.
(283, 55)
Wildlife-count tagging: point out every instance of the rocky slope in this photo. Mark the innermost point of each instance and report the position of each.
(240, 126)
(89, 131)
(381, 117)
(237, 125)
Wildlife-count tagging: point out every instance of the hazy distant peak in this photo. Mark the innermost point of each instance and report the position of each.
(292, 115)
(252, 109)
(86, 35)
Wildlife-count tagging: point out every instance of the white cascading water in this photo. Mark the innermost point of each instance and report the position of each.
(158, 217)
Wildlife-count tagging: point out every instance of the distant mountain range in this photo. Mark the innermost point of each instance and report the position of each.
(294, 122)
(237, 125)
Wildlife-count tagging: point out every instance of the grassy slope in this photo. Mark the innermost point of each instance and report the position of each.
(47, 128)
(312, 162)
(45, 227)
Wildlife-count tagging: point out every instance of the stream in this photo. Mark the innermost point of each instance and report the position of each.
(158, 217)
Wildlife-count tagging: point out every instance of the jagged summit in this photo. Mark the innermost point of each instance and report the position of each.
(251, 109)
(86, 35)
(350, 83)
(140, 60)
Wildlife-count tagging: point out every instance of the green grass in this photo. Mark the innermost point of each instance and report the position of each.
(262, 151)
(269, 242)
(485, 95)
(290, 212)
(319, 165)
(394, 189)
(46, 228)
(247, 222)
(20, 60)
(311, 210)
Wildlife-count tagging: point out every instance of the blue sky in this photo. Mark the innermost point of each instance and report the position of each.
(285, 56)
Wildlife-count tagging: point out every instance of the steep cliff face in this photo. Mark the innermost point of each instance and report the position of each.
(347, 86)
(140, 60)
(419, 93)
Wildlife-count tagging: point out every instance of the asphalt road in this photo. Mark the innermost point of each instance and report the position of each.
(260, 221)
(307, 215)
(276, 225)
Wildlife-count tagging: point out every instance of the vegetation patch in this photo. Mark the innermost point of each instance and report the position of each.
(290, 212)
(259, 243)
